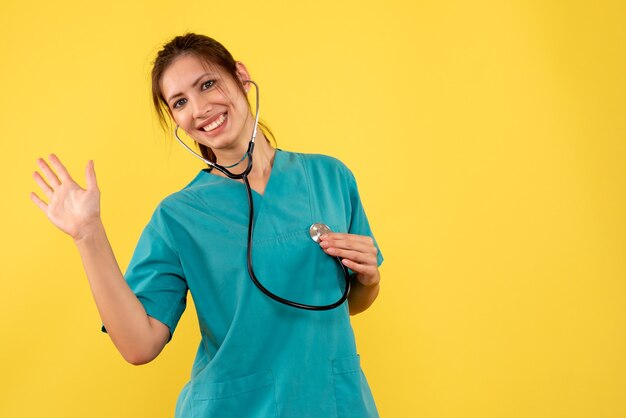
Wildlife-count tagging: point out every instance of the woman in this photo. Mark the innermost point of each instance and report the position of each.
(257, 357)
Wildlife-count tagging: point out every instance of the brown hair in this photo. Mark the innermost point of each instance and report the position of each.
(206, 49)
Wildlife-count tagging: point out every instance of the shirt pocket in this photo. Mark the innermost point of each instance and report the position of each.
(352, 393)
(249, 396)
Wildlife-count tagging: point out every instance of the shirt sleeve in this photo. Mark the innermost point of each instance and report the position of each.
(156, 277)
(359, 224)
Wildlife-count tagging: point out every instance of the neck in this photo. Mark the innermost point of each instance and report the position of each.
(263, 156)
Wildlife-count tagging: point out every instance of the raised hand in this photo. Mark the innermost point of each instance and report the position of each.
(71, 208)
(357, 252)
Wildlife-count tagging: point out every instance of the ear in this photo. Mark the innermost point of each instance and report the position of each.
(243, 74)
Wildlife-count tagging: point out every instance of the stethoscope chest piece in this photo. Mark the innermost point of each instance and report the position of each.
(317, 230)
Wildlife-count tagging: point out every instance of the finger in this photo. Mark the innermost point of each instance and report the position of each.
(90, 174)
(361, 244)
(45, 187)
(365, 270)
(347, 237)
(356, 245)
(60, 168)
(359, 257)
(40, 203)
(343, 235)
(52, 178)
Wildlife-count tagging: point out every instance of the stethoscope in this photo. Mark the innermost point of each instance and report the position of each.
(316, 230)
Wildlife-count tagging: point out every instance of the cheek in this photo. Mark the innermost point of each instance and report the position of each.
(182, 119)
(241, 108)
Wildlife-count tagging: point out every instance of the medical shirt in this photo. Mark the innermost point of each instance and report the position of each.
(257, 357)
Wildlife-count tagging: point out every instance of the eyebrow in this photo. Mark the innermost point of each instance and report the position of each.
(195, 83)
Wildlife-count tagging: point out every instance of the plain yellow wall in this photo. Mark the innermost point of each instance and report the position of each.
(488, 139)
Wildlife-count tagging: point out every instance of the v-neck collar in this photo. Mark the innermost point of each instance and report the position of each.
(206, 176)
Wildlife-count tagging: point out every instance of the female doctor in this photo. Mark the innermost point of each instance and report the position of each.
(257, 357)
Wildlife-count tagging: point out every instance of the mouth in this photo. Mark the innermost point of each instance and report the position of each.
(219, 121)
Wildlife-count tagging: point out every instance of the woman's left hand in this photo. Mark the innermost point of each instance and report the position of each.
(357, 252)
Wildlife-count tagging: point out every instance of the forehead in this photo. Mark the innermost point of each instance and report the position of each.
(184, 71)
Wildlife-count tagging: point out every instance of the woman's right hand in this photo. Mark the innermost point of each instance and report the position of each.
(71, 208)
(76, 211)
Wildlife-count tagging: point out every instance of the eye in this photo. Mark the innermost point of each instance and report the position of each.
(208, 84)
(179, 103)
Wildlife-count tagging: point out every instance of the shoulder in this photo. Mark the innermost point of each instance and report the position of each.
(320, 164)
(202, 182)
(325, 173)
(179, 202)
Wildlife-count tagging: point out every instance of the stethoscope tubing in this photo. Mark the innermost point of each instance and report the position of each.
(244, 176)
(274, 296)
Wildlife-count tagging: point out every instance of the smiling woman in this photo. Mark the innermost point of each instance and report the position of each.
(217, 67)
(208, 104)
(257, 357)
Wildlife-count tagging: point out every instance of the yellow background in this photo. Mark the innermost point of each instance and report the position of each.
(488, 139)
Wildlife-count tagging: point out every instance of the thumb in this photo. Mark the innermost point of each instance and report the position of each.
(90, 173)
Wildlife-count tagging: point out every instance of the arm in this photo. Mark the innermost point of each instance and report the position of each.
(358, 253)
(362, 296)
(76, 211)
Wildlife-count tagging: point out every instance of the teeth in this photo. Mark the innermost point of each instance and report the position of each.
(215, 123)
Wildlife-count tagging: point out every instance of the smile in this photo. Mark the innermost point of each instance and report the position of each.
(216, 123)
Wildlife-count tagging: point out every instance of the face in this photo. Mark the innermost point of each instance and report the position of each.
(207, 104)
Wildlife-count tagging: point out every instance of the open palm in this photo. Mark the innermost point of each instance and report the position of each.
(70, 207)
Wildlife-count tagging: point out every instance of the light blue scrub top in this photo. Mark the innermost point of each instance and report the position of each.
(257, 357)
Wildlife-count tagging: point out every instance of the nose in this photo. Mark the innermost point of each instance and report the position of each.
(201, 107)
